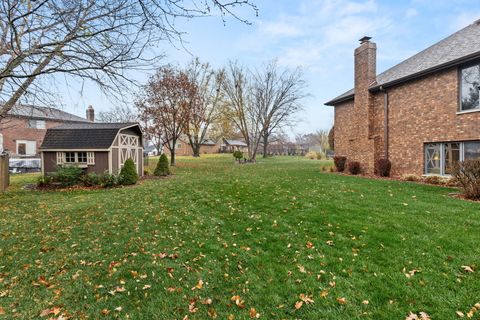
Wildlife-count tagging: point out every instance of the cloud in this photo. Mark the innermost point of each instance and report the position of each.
(463, 19)
(316, 31)
(280, 29)
(411, 13)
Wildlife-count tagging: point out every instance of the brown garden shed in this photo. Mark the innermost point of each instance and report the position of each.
(96, 147)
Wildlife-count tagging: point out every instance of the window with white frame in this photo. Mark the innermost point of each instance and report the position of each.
(26, 147)
(440, 158)
(470, 88)
(81, 157)
(36, 124)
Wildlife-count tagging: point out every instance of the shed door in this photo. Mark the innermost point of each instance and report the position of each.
(128, 149)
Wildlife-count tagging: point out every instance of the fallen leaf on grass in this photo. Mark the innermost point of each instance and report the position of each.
(460, 314)
(2, 311)
(55, 311)
(309, 245)
(238, 301)
(365, 302)
(254, 314)
(199, 285)
(191, 307)
(341, 300)
(212, 313)
(411, 273)
(324, 293)
(305, 298)
(146, 287)
(298, 304)
(467, 269)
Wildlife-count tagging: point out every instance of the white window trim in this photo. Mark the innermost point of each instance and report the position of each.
(62, 158)
(461, 111)
(468, 111)
(26, 142)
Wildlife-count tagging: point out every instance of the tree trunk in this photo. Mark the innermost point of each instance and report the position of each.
(196, 150)
(265, 145)
(172, 157)
(172, 152)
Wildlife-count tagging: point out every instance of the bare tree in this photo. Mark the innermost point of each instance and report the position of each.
(164, 105)
(203, 105)
(237, 86)
(223, 125)
(118, 114)
(89, 40)
(278, 95)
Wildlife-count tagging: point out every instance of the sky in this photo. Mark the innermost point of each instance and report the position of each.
(317, 35)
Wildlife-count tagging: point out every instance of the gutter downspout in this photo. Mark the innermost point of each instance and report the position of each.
(385, 121)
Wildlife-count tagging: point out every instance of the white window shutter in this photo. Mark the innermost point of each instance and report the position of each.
(90, 158)
(60, 158)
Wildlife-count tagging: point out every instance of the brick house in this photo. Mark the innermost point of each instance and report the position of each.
(183, 147)
(422, 114)
(23, 130)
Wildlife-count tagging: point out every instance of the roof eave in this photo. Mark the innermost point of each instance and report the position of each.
(425, 72)
(73, 149)
(335, 102)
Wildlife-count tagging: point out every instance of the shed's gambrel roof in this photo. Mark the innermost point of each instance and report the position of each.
(85, 136)
(460, 47)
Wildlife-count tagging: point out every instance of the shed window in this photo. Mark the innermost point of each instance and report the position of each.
(470, 88)
(81, 157)
(70, 157)
(78, 157)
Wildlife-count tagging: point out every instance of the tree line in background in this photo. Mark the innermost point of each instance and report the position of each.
(199, 102)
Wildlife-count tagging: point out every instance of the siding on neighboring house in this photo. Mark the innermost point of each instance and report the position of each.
(15, 129)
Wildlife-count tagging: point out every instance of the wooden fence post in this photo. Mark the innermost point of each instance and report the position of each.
(4, 173)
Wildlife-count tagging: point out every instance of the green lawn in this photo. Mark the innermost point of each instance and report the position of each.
(265, 233)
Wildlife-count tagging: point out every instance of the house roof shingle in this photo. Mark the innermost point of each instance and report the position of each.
(86, 136)
(457, 48)
(46, 113)
(235, 143)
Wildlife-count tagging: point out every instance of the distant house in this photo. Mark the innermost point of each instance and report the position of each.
(285, 148)
(183, 147)
(422, 114)
(233, 145)
(96, 147)
(22, 131)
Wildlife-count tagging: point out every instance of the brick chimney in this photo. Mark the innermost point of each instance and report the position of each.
(365, 76)
(90, 114)
(365, 64)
